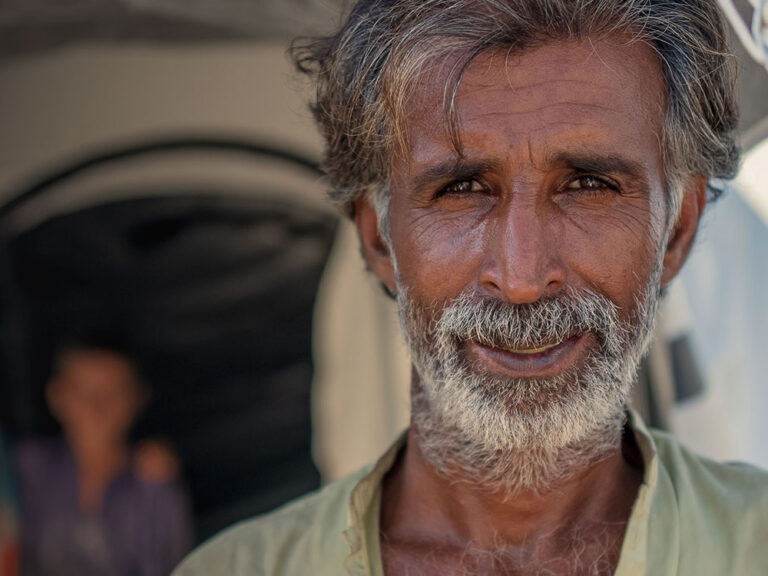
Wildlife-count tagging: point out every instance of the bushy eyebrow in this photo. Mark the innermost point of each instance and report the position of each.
(602, 164)
(453, 169)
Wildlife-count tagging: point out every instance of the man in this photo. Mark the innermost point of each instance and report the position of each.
(90, 503)
(526, 177)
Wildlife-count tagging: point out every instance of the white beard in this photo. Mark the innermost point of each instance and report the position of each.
(505, 434)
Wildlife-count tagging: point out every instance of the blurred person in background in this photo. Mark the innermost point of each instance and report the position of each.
(90, 503)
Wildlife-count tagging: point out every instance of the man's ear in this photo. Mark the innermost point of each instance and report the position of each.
(374, 248)
(683, 232)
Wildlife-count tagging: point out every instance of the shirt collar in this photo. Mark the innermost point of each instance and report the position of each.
(363, 502)
(634, 550)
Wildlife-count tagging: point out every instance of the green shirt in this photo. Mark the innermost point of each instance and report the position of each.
(692, 516)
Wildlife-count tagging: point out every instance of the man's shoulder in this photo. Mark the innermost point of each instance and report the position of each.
(293, 539)
(725, 504)
(739, 483)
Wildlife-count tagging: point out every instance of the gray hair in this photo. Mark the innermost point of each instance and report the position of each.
(366, 72)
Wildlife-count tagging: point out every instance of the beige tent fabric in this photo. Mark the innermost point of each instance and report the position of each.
(362, 371)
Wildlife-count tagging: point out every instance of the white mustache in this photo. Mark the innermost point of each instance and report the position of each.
(540, 324)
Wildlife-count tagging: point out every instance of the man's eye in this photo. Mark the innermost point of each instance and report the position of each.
(462, 187)
(590, 184)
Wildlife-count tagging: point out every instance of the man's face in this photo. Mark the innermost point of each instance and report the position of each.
(556, 207)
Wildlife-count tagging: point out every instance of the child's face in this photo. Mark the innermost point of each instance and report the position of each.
(96, 396)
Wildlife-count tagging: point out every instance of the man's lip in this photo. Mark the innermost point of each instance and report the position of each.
(540, 362)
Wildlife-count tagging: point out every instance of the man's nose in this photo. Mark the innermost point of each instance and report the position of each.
(522, 255)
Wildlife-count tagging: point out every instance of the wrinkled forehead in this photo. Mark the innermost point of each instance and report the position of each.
(614, 84)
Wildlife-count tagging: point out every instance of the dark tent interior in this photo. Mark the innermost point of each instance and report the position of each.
(215, 293)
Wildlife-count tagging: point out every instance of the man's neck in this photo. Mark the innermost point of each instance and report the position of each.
(450, 515)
